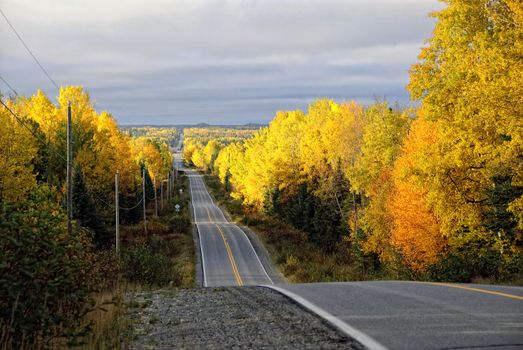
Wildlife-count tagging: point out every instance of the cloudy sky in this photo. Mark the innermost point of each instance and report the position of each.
(214, 61)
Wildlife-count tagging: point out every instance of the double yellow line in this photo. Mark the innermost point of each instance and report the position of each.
(229, 253)
(231, 258)
(486, 291)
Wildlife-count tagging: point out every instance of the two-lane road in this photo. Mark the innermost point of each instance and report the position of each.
(418, 316)
(227, 255)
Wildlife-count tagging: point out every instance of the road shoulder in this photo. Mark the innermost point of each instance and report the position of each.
(224, 318)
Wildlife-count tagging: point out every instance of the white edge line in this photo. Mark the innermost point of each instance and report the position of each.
(255, 254)
(212, 201)
(199, 237)
(352, 332)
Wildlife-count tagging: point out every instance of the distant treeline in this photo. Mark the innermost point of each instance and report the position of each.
(160, 134)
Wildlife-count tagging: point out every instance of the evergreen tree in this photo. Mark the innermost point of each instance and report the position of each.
(85, 212)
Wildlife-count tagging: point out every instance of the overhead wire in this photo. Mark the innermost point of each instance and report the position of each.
(20, 120)
(57, 87)
(8, 85)
(29, 50)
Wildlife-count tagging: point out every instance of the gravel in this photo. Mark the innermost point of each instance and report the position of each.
(228, 318)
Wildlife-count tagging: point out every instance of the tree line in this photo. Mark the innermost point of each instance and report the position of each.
(169, 135)
(436, 190)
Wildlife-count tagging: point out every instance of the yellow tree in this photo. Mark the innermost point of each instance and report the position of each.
(209, 153)
(331, 138)
(415, 228)
(469, 79)
(18, 150)
(383, 133)
(42, 110)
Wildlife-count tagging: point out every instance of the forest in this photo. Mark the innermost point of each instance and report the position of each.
(435, 191)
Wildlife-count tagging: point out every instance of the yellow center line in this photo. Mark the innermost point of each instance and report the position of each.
(231, 258)
(229, 253)
(512, 296)
(208, 214)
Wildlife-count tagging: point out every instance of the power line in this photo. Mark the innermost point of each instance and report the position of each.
(9, 86)
(29, 50)
(20, 120)
(113, 206)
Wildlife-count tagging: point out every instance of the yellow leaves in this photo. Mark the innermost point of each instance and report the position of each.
(156, 157)
(41, 110)
(331, 136)
(100, 148)
(18, 151)
(416, 231)
(415, 227)
(383, 132)
(377, 221)
(470, 79)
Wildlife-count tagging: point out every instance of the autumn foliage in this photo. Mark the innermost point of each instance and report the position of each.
(437, 189)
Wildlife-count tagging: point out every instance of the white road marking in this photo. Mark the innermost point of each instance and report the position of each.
(352, 332)
(199, 238)
(255, 254)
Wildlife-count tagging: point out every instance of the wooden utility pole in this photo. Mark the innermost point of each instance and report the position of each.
(117, 202)
(161, 195)
(155, 198)
(69, 171)
(143, 199)
(169, 186)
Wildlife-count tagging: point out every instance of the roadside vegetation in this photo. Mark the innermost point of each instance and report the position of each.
(61, 289)
(382, 191)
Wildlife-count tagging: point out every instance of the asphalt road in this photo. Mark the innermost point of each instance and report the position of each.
(415, 315)
(228, 257)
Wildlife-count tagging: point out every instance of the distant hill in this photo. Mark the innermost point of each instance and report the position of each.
(200, 125)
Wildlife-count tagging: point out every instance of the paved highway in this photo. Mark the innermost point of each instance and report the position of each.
(415, 315)
(228, 257)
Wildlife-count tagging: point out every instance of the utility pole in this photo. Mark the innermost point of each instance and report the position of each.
(169, 186)
(117, 202)
(69, 171)
(143, 199)
(155, 198)
(161, 195)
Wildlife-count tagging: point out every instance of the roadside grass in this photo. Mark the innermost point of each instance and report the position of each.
(110, 329)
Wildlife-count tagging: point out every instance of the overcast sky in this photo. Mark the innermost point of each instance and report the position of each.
(214, 61)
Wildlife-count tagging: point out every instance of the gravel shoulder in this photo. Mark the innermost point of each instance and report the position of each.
(223, 318)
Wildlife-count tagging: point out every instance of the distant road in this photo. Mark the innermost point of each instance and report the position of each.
(228, 257)
(414, 315)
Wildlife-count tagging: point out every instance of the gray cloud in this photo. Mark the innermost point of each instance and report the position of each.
(230, 61)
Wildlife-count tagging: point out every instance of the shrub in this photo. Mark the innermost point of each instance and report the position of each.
(141, 264)
(46, 275)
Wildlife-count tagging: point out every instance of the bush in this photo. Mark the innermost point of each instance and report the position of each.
(46, 276)
(466, 263)
(141, 264)
(180, 223)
